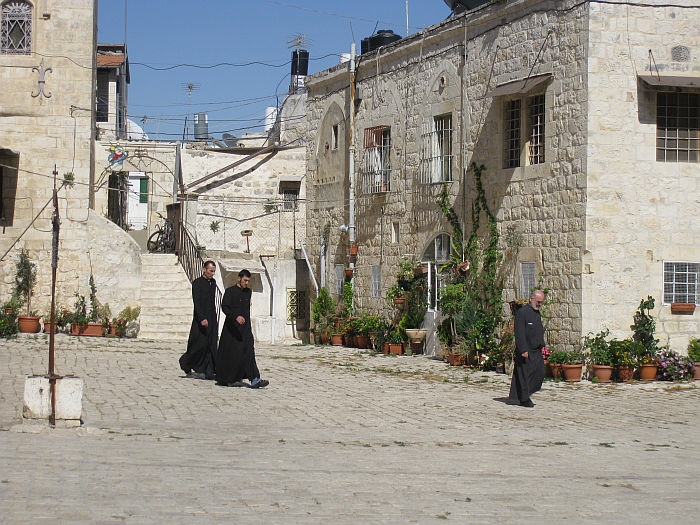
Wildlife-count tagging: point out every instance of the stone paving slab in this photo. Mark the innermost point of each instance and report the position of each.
(339, 436)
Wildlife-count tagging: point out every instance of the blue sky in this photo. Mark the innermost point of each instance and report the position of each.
(236, 53)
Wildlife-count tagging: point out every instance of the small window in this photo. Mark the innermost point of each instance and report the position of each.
(376, 168)
(376, 281)
(334, 137)
(395, 233)
(528, 278)
(8, 188)
(297, 305)
(16, 28)
(339, 279)
(290, 194)
(517, 152)
(436, 150)
(678, 127)
(681, 282)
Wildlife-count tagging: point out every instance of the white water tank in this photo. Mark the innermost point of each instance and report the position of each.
(345, 57)
(201, 126)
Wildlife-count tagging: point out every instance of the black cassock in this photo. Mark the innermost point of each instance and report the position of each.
(528, 373)
(201, 344)
(236, 357)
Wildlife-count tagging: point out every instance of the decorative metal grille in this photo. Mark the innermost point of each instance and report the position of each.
(436, 150)
(678, 127)
(528, 271)
(297, 305)
(376, 167)
(376, 282)
(681, 282)
(16, 28)
(511, 146)
(535, 124)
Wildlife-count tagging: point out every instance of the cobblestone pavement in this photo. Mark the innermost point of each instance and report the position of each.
(339, 436)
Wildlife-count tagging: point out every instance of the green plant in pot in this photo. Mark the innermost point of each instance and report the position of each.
(25, 282)
(599, 348)
(694, 350)
(127, 315)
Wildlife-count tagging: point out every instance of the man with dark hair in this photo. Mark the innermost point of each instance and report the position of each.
(235, 360)
(529, 341)
(198, 361)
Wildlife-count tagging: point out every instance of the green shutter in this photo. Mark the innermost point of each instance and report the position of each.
(143, 191)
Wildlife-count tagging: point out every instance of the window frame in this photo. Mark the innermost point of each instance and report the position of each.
(437, 157)
(671, 135)
(21, 19)
(674, 295)
(376, 160)
(524, 130)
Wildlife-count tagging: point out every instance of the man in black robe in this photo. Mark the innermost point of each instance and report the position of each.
(198, 361)
(235, 360)
(529, 341)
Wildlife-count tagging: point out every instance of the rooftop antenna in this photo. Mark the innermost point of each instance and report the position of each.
(300, 62)
(189, 87)
(297, 41)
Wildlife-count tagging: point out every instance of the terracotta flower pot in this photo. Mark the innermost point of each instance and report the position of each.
(28, 324)
(696, 371)
(648, 372)
(337, 339)
(602, 373)
(396, 348)
(625, 373)
(572, 372)
(88, 330)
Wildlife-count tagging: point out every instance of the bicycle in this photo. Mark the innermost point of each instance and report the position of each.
(163, 239)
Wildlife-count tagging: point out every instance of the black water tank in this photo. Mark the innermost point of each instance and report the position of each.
(381, 38)
(300, 62)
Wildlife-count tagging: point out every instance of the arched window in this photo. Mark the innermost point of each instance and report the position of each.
(16, 28)
(439, 249)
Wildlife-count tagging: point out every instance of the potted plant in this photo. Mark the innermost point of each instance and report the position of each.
(674, 367)
(322, 311)
(556, 359)
(599, 356)
(694, 356)
(572, 366)
(12, 306)
(396, 294)
(624, 352)
(395, 339)
(643, 327)
(8, 324)
(25, 282)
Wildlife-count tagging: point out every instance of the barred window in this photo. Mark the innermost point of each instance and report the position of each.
(290, 194)
(16, 28)
(528, 278)
(376, 168)
(515, 150)
(376, 282)
(678, 127)
(339, 278)
(297, 305)
(681, 282)
(436, 150)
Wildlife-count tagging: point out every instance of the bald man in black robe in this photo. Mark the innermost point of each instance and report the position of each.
(528, 372)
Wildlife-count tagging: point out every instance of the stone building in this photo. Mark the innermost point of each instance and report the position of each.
(585, 116)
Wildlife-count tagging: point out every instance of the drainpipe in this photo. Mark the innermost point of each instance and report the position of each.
(308, 265)
(323, 261)
(272, 296)
(351, 163)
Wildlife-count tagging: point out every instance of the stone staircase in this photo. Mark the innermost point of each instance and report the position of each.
(166, 299)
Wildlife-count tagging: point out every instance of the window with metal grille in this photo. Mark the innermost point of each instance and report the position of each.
(511, 152)
(678, 127)
(16, 28)
(681, 282)
(376, 168)
(528, 278)
(339, 279)
(290, 194)
(436, 150)
(297, 305)
(535, 124)
(375, 285)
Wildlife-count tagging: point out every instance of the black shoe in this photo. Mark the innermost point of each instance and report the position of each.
(528, 403)
(196, 375)
(260, 384)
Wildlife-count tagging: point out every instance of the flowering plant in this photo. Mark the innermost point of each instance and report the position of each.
(546, 352)
(674, 367)
(624, 352)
